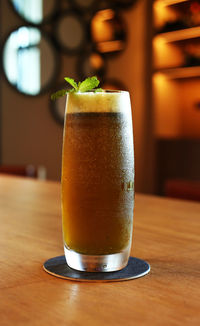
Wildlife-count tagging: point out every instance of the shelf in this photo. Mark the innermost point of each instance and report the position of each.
(180, 73)
(175, 86)
(179, 35)
(169, 2)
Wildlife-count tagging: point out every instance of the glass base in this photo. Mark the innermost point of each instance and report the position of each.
(97, 263)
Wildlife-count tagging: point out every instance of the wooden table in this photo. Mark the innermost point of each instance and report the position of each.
(166, 234)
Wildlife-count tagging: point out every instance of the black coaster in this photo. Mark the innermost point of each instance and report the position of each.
(58, 267)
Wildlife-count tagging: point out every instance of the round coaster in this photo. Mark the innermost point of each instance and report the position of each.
(58, 267)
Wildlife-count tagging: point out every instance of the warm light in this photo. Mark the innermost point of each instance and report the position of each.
(166, 98)
(112, 46)
(96, 61)
(162, 14)
(159, 79)
(159, 42)
(107, 31)
(169, 2)
(159, 50)
(102, 28)
(166, 54)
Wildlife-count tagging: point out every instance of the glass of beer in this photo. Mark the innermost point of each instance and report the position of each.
(97, 181)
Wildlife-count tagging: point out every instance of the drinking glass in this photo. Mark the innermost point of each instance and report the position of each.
(97, 180)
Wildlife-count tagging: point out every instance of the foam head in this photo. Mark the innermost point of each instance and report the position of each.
(107, 101)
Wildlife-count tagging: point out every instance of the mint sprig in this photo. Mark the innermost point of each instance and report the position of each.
(71, 82)
(98, 90)
(89, 84)
(58, 94)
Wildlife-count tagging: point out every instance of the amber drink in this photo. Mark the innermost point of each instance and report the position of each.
(97, 180)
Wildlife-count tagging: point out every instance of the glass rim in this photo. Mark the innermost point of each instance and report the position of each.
(114, 91)
(108, 91)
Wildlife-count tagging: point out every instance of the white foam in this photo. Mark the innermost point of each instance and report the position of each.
(116, 101)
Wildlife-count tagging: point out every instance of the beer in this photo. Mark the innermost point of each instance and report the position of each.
(97, 175)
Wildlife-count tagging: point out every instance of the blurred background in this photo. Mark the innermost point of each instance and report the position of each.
(150, 48)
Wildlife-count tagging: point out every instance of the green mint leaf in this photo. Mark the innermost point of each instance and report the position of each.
(58, 94)
(71, 82)
(98, 90)
(88, 84)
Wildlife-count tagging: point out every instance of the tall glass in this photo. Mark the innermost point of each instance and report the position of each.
(97, 181)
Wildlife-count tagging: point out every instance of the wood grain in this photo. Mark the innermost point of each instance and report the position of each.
(166, 234)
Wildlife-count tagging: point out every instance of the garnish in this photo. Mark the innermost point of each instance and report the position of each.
(89, 84)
